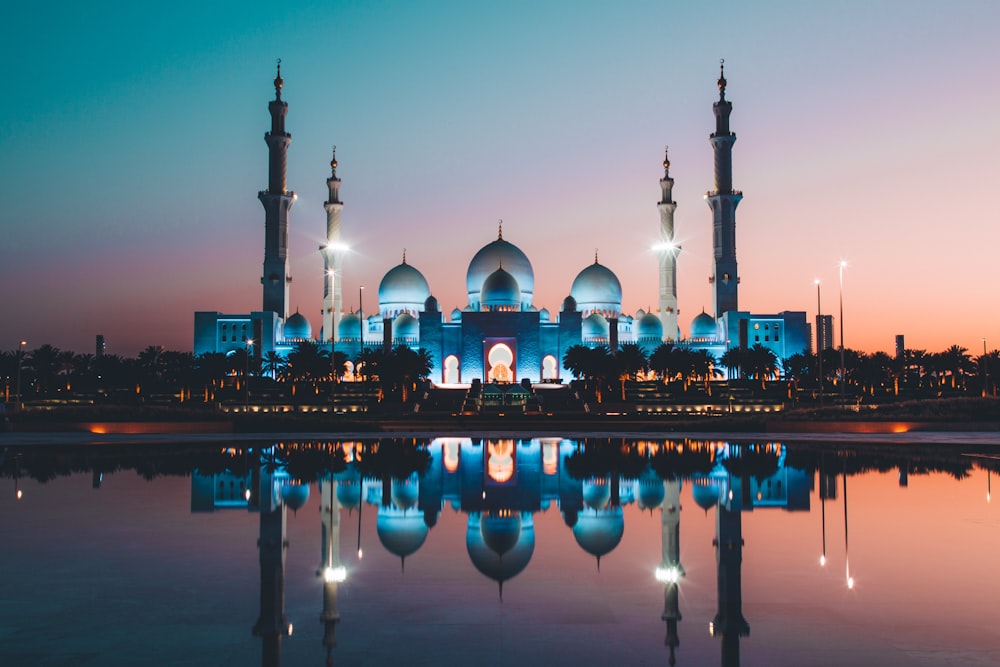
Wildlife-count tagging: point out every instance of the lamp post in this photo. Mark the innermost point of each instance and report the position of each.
(20, 356)
(819, 342)
(843, 379)
(246, 375)
(361, 325)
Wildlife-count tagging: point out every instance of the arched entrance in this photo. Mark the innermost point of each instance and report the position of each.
(451, 370)
(550, 368)
(500, 363)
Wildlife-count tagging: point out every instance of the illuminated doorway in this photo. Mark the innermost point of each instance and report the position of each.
(451, 374)
(500, 363)
(550, 368)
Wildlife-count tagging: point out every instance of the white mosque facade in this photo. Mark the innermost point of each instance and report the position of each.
(500, 335)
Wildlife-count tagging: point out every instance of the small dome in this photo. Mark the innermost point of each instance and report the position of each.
(294, 496)
(598, 532)
(349, 490)
(349, 326)
(703, 326)
(405, 492)
(651, 490)
(597, 288)
(400, 533)
(403, 288)
(596, 493)
(595, 326)
(501, 291)
(405, 326)
(456, 315)
(650, 327)
(297, 327)
(569, 305)
(544, 316)
(639, 314)
(431, 305)
(705, 492)
(487, 260)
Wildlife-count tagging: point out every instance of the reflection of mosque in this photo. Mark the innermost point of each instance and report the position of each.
(500, 484)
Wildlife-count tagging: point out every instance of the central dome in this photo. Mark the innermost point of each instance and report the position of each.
(403, 289)
(486, 261)
(500, 291)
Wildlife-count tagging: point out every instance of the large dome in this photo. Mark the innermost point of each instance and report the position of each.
(495, 254)
(297, 327)
(403, 289)
(596, 288)
(500, 291)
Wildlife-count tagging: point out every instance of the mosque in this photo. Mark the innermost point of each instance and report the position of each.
(501, 335)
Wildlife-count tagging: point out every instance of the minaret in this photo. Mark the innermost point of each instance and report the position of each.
(668, 255)
(272, 544)
(277, 201)
(671, 569)
(724, 201)
(331, 569)
(332, 255)
(729, 622)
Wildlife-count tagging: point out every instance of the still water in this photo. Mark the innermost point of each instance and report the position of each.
(518, 551)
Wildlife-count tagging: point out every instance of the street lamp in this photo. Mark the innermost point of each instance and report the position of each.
(20, 355)
(246, 376)
(986, 370)
(819, 341)
(843, 263)
(361, 325)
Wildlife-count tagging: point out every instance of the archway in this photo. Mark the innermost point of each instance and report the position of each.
(501, 361)
(550, 368)
(451, 370)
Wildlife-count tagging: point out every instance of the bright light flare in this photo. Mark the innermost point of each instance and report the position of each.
(850, 582)
(822, 560)
(19, 494)
(334, 574)
(666, 246)
(360, 554)
(668, 575)
(337, 247)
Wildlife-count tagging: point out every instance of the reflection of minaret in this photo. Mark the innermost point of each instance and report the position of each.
(729, 621)
(724, 200)
(271, 625)
(332, 256)
(670, 570)
(277, 202)
(668, 251)
(332, 571)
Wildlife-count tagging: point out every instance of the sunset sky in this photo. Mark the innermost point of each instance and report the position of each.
(131, 153)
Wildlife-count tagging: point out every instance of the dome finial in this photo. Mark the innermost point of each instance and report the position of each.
(333, 162)
(278, 82)
(500, 230)
(666, 160)
(404, 255)
(722, 79)
(595, 256)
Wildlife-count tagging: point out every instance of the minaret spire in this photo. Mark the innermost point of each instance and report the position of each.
(500, 230)
(723, 201)
(333, 257)
(668, 251)
(277, 202)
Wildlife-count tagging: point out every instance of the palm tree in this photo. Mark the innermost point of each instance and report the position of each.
(734, 359)
(273, 364)
(44, 362)
(575, 360)
(660, 361)
(956, 363)
(761, 364)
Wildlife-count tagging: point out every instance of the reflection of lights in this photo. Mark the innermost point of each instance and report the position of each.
(289, 629)
(850, 582)
(19, 494)
(360, 553)
(711, 629)
(668, 575)
(246, 494)
(822, 560)
(334, 574)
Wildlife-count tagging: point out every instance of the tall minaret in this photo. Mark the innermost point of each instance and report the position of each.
(668, 256)
(724, 201)
(277, 201)
(729, 622)
(332, 255)
(671, 571)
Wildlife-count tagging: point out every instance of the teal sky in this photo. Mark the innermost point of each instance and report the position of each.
(131, 152)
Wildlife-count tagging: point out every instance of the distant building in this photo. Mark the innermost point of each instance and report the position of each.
(500, 334)
(824, 333)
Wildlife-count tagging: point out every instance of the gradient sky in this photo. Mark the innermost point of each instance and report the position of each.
(131, 152)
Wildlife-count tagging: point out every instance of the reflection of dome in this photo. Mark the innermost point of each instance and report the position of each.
(703, 326)
(705, 492)
(595, 326)
(651, 490)
(486, 261)
(297, 327)
(349, 493)
(294, 496)
(500, 567)
(405, 326)
(405, 492)
(349, 326)
(500, 291)
(650, 327)
(400, 533)
(402, 289)
(500, 533)
(596, 492)
(597, 288)
(599, 532)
